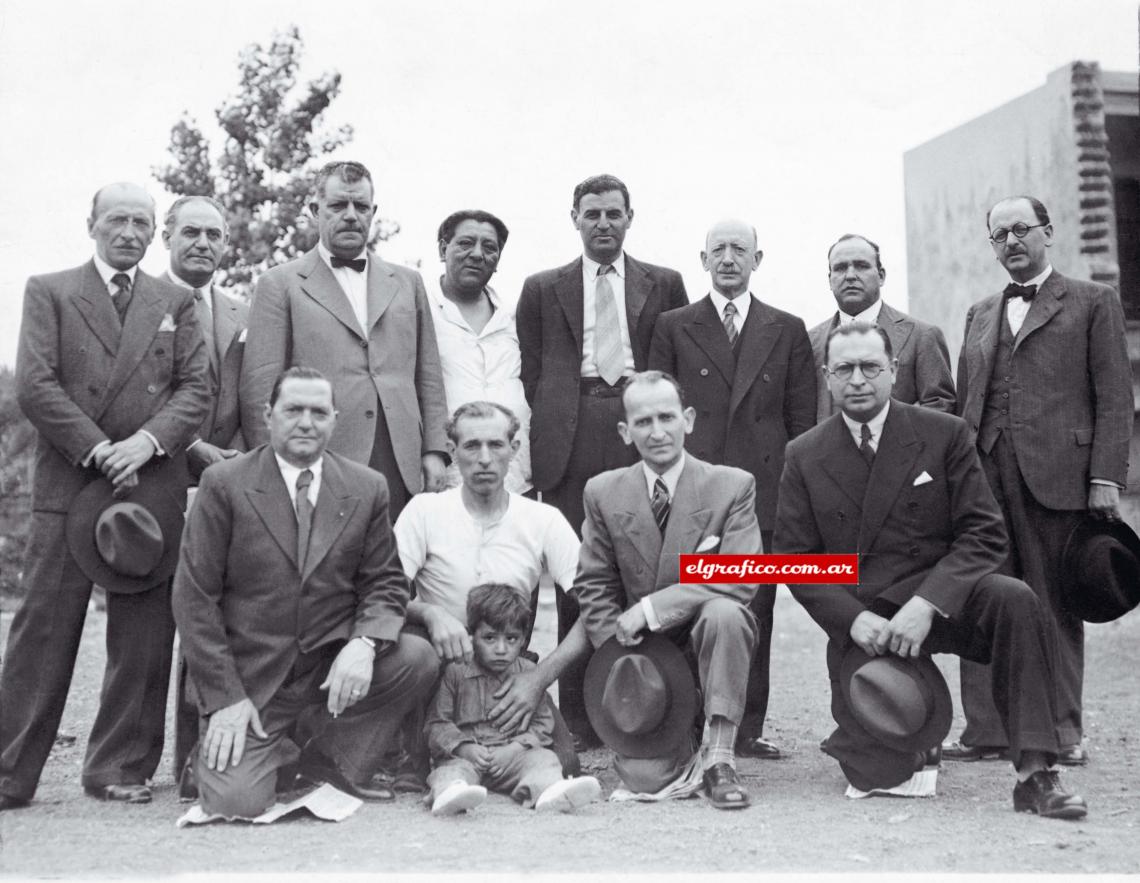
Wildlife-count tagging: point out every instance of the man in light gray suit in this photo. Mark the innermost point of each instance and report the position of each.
(1046, 388)
(366, 325)
(856, 275)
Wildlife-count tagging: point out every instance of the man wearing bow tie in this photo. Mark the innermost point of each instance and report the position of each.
(1045, 386)
(366, 325)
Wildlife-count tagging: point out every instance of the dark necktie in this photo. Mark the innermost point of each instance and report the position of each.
(122, 296)
(865, 448)
(608, 354)
(1026, 292)
(660, 504)
(304, 515)
(730, 323)
(357, 264)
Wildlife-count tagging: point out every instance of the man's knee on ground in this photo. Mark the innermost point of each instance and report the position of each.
(236, 792)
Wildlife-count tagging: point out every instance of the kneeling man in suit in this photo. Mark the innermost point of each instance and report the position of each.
(638, 518)
(290, 600)
(903, 487)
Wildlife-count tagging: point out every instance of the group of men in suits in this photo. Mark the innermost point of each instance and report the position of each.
(120, 372)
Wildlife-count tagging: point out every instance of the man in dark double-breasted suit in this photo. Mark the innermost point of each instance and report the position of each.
(902, 486)
(1045, 386)
(582, 328)
(112, 373)
(748, 370)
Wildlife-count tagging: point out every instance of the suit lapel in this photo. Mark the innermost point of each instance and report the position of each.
(899, 447)
(1044, 307)
(758, 336)
(897, 327)
(568, 291)
(271, 501)
(95, 306)
(320, 284)
(145, 315)
(335, 505)
(638, 286)
(382, 289)
(844, 464)
(637, 518)
(688, 519)
(708, 334)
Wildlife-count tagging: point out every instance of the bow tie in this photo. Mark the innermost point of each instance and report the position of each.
(1026, 292)
(357, 264)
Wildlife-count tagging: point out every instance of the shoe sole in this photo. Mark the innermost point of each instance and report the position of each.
(468, 798)
(1068, 813)
(569, 797)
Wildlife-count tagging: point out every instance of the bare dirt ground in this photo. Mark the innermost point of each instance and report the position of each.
(799, 821)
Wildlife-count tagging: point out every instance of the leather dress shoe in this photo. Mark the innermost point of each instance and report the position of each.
(188, 782)
(1074, 755)
(961, 751)
(929, 759)
(724, 788)
(119, 793)
(318, 769)
(7, 801)
(1042, 793)
(759, 748)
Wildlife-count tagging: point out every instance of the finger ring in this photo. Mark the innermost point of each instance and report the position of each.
(355, 692)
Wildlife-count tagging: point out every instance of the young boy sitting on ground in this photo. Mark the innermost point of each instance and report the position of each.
(468, 751)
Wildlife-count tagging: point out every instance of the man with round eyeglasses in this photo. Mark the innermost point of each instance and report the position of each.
(1045, 385)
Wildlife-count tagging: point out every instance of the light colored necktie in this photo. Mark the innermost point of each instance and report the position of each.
(304, 515)
(660, 504)
(608, 353)
(730, 323)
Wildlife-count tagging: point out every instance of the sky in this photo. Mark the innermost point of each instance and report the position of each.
(791, 114)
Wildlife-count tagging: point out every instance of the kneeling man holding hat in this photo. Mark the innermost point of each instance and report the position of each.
(903, 487)
(639, 691)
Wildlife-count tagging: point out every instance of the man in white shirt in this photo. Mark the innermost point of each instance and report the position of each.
(478, 346)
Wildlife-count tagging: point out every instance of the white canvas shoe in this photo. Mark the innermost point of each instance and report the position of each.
(458, 797)
(566, 795)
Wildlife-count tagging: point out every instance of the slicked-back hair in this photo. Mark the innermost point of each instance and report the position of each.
(857, 328)
(500, 606)
(1039, 209)
(847, 236)
(481, 411)
(452, 221)
(645, 378)
(299, 372)
(171, 218)
(348, 171)
(600, 184)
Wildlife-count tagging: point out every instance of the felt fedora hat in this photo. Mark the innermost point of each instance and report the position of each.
(1101, 570)
(641, 700)
(903, 703)
(130, 544)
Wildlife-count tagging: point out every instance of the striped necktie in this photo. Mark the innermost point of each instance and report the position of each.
(730, 323)
(122, 297)
(660, 504)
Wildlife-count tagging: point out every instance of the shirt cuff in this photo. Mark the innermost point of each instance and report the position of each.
(650, 615)
(1106, 483)
(154, 441)
(190, 446)
(90, 458)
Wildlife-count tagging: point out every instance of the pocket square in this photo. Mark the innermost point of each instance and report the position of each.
(708, 544)
(922, 479)
(241, 337)
(167, 323)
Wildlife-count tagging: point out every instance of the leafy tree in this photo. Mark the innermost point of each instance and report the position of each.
(275, 142)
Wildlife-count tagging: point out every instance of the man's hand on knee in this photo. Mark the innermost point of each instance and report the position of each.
(629, 624)
(224, 744)
(907, 629)
(350, 676)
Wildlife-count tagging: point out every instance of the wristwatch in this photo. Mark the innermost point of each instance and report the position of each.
(369, 641)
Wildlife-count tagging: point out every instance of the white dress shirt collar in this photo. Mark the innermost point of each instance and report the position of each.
(875, 424)
(590, 267)
(670, 476)
(742, 302)
(289, 473)
(107, 273)
(1039, 279)
(869, 315)
(327, 255)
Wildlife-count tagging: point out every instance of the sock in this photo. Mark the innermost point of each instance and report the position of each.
(719, 743)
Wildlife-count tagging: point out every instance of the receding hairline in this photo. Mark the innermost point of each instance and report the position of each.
(736, 222)
(125, 185)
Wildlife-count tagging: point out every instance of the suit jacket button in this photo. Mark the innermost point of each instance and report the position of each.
(364, 343)
(93, 390)
(152, 389)
(767, 379)
(704, 372)
(913, 550)
(369, 414)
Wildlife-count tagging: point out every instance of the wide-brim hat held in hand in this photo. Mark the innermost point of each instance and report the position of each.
(1100, 570)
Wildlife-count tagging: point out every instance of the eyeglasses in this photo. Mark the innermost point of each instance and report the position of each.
(1001, 234)
(845, 370)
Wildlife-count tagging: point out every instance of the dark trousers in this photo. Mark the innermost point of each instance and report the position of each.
(125, 743)
(298, 713)
(596, 448)
(756, 699)
(1001, 623)
(383, 460)
(1037, 538)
